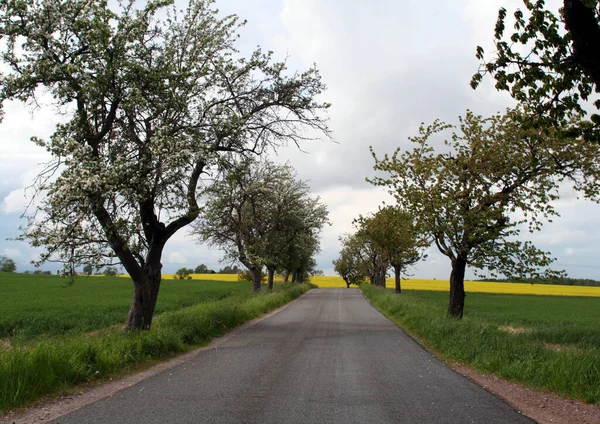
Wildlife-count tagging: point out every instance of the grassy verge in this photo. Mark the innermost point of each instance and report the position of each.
(41, 367)
(547, 343)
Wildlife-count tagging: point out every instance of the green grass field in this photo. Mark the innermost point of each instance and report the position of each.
(34, 305)
(547, 342)
(47, 342)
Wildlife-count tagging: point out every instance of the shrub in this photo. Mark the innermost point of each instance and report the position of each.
(247, 276)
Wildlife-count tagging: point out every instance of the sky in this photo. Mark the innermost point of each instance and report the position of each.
(388, 66)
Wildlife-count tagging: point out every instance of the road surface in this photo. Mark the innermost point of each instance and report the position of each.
(329, 357)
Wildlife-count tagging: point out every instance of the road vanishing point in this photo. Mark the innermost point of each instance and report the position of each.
(328, 357)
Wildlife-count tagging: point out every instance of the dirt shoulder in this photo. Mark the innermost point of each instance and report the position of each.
(543, 407)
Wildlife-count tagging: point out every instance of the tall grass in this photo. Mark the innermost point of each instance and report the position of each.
(56, 363)
(547, 343)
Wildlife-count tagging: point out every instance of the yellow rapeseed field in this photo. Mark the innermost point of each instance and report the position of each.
(475, 287)
(436, 285)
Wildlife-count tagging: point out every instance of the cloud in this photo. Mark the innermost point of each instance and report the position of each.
(389, 66)
(177, 258)
(15, 202)
(12, 253)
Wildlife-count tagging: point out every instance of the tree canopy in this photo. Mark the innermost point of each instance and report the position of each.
(200, 269)
(349, 265)
(152, 101)
(550, 61)
(496, 176)
(394, 235)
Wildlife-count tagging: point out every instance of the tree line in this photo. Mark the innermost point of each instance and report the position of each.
(384, 240)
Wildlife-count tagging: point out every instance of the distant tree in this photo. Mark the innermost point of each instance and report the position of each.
(348, 267)
(297, 260)
(229, 270)
(550, 61)
(88, 269)
(7, 264)
(200, 269)
(373, 260)
(152, 101)
(393, 233)
(184, 274)
(465, 199)
(110, 271)
(296, 221)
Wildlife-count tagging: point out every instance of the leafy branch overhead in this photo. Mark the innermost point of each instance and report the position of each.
(550, 61)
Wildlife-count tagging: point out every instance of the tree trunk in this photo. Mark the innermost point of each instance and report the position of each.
(457, 287)
(286, 277)
(347, 281)
(256, 278)
(379, 278)
(296, 276)
(270, 279)
(398, 275)
(582, 24)
(143, 301)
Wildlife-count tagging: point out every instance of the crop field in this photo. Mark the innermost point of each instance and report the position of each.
(475, 287)
(547, 342)
(34, 305)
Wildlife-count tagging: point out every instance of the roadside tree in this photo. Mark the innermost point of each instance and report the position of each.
(262, 216)
(296, 222)
(393, 233)
(348, 267)
(152, 101)
(497, 175)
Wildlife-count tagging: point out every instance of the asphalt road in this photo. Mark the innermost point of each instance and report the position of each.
(329, 357)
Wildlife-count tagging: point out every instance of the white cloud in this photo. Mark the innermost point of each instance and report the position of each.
(12, 253)
(571, 251)
(177, 258)
(15, 202)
